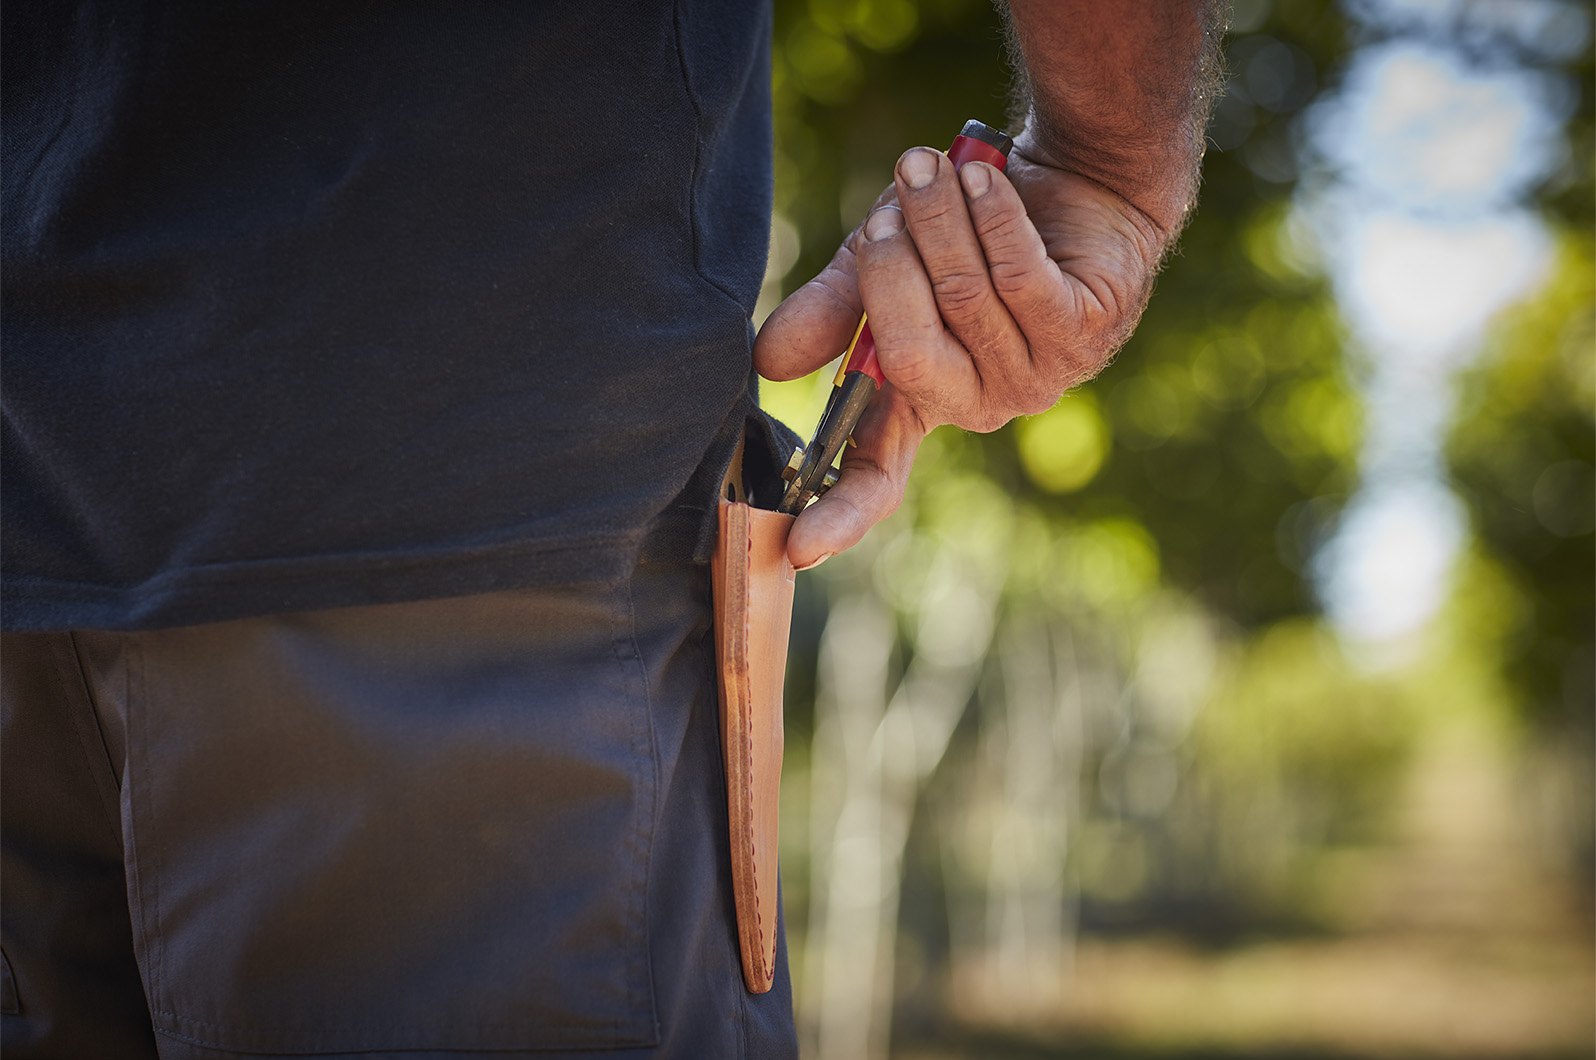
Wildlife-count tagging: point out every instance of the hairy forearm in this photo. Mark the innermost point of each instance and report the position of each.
(1120, 92)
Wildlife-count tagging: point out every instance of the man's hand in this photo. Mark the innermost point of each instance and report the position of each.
(988, 295)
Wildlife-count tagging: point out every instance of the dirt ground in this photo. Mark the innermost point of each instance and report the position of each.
(1453, 940)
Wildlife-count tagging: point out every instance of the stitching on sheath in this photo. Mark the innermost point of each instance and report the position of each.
(748, 770)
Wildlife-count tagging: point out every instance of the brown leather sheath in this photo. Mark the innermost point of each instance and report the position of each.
(753, 590)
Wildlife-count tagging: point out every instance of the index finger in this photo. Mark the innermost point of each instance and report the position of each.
(813, 324)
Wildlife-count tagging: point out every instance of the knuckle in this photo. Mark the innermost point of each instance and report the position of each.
(932, 220)
(874, 494)
(1076, 363)
(882, 494)
(1035, 400)
(987, 420)
(982, 414)
(905, 363)
(960, 294)
(1004, 227)
(855, 516)
(940, 208)
(1014, 277)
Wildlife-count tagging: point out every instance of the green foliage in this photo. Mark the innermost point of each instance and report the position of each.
(1235, 428)
(1203, 466)
(856, 83)
(1226, 432)
(1522, 457)
(1187, 488)
(1292, 723)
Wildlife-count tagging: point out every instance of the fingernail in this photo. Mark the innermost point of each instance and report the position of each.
(977, 179)
(823, 557)
(885, 222)
(919, 167)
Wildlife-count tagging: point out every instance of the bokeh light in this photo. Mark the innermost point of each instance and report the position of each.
(1241, 704)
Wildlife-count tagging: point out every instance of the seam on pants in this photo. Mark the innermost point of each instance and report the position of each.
(655, 807)
(91, 741)
(645, 747)
(148, 942)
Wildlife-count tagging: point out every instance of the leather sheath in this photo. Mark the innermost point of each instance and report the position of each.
(753, 586)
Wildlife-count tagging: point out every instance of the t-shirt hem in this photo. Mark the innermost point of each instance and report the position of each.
(222, 592)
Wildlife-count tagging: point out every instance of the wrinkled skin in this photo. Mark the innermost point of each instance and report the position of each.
(989, 294)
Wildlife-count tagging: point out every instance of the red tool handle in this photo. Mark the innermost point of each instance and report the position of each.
(862, 351)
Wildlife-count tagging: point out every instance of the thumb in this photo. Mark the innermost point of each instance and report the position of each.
(870, 487)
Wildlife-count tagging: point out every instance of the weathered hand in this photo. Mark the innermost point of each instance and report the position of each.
(988, 294)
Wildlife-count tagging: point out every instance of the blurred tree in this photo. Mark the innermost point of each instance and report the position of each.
(1162, 724)
(1209, 459)
(1521, 455)
(1233, 429)
(1227, 428)
(1521, 449)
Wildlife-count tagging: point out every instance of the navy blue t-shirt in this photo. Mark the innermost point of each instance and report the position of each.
(308, 305)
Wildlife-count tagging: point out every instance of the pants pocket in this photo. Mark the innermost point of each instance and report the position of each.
(416, 826)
